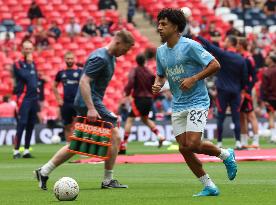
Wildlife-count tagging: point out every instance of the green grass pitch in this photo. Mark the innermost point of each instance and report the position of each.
(149, 184)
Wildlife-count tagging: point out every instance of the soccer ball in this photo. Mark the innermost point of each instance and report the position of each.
(273, 139)
(55, 139)
(187, 11)
(66, 189)
(266, 133)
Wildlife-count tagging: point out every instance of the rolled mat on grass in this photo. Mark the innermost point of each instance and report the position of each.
(241, 155)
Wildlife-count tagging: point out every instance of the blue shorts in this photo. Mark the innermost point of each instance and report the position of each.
(28, 111)
(68, 113)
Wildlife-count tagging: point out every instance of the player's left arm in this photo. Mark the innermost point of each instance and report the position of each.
(204, 59)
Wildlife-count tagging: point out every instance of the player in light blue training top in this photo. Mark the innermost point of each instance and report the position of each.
(185, 63)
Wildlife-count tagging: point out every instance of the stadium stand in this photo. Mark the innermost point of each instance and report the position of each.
(14, 13)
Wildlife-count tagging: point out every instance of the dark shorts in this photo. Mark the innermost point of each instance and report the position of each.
(103, 112)
(140, 107)
(247, 106)
(68, 113)
(28, 111)
(272, 106)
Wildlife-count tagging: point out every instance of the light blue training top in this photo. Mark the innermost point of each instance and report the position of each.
(184, 60)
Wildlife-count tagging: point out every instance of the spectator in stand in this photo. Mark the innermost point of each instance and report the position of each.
(231, 80)
(116, 26)
(257, 55)
(194, 26)
(131, 11)
(232, 4)
(247, 110)
(7, 111)
(107, 4)
(264, 38)
(41, 38)
(232, 30)
(104, 27)
(270, 7)
(34, 11)
(214, 34)
(269, 90)
(90, 28)
(8, 44)
(33, 26)
(248, 3)
(54, 31)
(204, 25)
(73, 28)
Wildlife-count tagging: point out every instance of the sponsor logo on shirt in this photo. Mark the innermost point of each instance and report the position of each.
(175, 73)
(76, 74)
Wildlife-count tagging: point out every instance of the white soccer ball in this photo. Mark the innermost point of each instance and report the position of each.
(66, 189)
(265, 133)
(55, 139)
(273, 139)
(187, 11)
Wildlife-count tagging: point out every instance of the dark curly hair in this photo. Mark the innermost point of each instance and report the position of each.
(175, 16)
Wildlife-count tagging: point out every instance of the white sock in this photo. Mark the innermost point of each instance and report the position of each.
(206, 181)
(219, 144)
(47, 168)
(224, 154)
(273, 131)
(256, 140)
(244, 139)
(108, 175)
(26, 151)
(16, 151)
(238, 144)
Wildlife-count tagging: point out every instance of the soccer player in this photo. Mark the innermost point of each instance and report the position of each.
(230, 82)
(247, 110)
(185, 64)
(26, 89)
(140, 83)
(97, 73)
(69, 78)
(269, 90)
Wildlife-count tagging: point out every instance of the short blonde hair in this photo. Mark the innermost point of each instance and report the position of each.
(68, 53)
(125, 36)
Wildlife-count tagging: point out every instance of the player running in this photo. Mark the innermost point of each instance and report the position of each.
(185, 64)
(139, 84)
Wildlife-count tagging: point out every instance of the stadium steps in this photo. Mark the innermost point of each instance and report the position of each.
(144, 25)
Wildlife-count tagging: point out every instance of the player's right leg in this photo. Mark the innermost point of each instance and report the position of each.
(154, 129)
(43, 172)
(255, 127)
(109, 182)
(195, 165)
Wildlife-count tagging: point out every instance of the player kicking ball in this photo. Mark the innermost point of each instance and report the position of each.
(185, 63)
